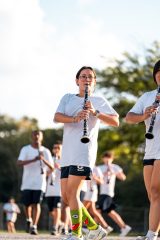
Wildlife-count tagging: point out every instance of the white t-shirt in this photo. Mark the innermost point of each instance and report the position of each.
(32, 178)
(74, 152)
(55, 177)
(152, 149)
(108, 188)
(92, 189)
(11, 210)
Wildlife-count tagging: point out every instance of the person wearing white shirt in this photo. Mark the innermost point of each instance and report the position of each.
(105, 203)
(146, 110)
(11, 210)
(53, 190)
(79, 158)
(91, 197)
(36, 160)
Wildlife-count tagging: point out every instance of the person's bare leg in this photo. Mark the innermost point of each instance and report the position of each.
(36, 213)
(13, 230)
(97, 215)
(154, 216)
(9, 226)
(117, 218)
(28, 212)
(87, 204)
(57, 217)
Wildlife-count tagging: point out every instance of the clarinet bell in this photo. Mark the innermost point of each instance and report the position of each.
(149, 135)
(85, 139)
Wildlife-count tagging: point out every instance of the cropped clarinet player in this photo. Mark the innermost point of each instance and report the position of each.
(146, 109)
(36, 160)
(81, 114)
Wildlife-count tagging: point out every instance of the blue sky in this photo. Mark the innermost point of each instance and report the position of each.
(43, 43)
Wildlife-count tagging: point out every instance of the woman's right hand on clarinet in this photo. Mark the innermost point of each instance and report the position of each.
(84, 114)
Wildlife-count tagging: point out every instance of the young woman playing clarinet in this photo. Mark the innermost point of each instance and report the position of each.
(78, 158)
(146, 109)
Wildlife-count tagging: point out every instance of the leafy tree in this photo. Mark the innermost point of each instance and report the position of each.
(123, 83)
(13, 135)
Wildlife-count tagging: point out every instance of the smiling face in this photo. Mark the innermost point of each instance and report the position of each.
(86, 76)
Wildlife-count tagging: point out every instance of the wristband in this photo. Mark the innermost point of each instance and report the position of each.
(97, 113)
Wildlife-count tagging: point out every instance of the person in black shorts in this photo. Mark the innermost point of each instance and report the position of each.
(146, 110)
(78, 159)
(53, 190)
(105, 201)
(36, 160)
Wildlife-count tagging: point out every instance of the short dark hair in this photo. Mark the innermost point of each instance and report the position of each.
(58, 142)
(156, 69)
(36, 131)
(83, 68)
(108, 154)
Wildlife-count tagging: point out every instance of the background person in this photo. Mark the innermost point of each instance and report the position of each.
(107, 190)
(143, 111)
(11, 210)
(91, 197)
(36, 160)
(78, 158)
(53, 190)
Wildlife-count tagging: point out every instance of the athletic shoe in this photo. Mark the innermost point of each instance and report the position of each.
(125, 231)
(72, 237)
(28, 225)
(63, 231)
(85, 230)
(54, 231)
(97, 234)
(60, 228)
(109, 230)
(34, 231)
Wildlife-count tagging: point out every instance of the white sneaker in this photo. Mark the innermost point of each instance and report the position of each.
(97, 234)
(72, 237)
(109, 229)
(85, 231)
(125, 231)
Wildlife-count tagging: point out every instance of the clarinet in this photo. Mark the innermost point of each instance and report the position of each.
(53, 176)
(149, 134)
(108, 174)
(85, 138)
(42, 171)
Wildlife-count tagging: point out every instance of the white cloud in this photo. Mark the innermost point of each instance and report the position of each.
(38, 64)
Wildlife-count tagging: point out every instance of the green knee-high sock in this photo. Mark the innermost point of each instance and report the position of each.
(88, 220)
(76, 217)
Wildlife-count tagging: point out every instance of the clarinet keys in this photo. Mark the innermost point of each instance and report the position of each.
(85, 138)
(149, 134)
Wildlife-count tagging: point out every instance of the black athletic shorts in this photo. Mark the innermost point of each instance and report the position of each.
(76, 171)
(148, 162)
(105, 203)
(53, 202)
(32, 197)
